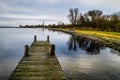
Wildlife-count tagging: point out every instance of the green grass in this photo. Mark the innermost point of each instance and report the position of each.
(111, 39)
(102, 34)
(99, 34)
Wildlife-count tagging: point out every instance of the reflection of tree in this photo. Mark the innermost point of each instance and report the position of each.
(91, 46)
(72, 43)
(115, 52)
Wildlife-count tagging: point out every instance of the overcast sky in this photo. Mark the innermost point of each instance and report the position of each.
(16, 12)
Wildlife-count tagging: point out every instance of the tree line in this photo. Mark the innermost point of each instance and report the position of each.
(94, 19)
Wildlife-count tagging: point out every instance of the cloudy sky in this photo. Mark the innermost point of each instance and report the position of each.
(16, 12)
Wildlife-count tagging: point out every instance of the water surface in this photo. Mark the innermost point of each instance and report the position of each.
(79, 59)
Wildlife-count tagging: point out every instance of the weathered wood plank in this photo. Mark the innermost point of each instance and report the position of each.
(39, 65)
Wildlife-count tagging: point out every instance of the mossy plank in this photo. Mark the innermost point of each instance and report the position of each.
(39, 65)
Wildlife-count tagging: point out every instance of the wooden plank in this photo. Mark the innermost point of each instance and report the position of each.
(39, 65)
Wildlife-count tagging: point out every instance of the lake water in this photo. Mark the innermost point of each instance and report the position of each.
(79, 62)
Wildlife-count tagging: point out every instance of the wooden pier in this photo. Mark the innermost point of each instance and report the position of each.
(39, 63)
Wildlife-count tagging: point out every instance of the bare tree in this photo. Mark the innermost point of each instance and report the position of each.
(76, 11)
(73, 15)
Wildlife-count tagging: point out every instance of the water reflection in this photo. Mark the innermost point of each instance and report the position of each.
(72, 43)
(115, 52)
(71, 51)
(104, 66)
(91, 46)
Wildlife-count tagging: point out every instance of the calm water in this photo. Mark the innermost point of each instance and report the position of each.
(79, 61)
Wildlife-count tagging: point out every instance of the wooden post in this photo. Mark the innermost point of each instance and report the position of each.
(26, 50)
(52, 50)
(48, 38)
(35, 38)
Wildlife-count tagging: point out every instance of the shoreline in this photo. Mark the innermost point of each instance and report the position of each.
(111, 43)
(114, 44)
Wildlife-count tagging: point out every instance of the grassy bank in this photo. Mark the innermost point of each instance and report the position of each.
(110, 39)
(100, 34)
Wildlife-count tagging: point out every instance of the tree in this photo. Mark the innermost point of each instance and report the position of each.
(95, 19)
(115, 21)
(87, 21)
(80, 20)
(94, 16)
(73, 15)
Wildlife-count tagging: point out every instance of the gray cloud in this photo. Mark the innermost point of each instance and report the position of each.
(19, 11)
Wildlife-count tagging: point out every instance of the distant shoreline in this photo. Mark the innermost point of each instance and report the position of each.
(18, 27)
(9, 27)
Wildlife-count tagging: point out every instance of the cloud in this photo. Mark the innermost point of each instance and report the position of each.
(17, 19)
(109, 4)
(54, 10)
(24, 16)
(18, 12)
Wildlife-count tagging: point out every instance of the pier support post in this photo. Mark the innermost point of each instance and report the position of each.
(35, 38)
(26, 50)
(48, 38)
(52, 50)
